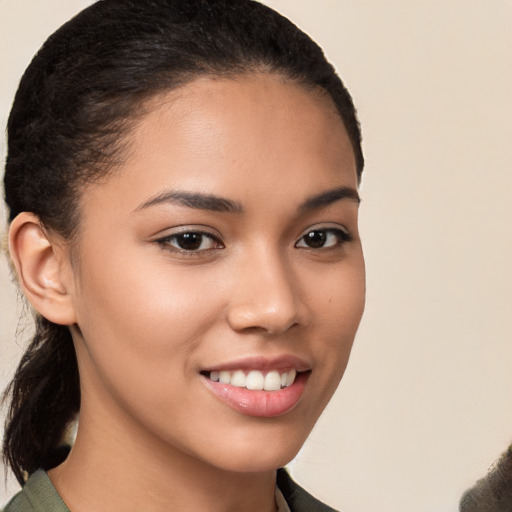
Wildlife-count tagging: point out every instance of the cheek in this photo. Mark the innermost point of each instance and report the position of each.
(339, 306)
(339, 300)
(140, 323)
(142, 293)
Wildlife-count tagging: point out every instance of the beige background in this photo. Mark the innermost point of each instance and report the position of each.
(425, 406)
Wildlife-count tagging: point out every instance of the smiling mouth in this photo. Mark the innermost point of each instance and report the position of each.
(266, 392)
(254, 380)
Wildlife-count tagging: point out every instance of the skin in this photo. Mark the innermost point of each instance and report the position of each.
(147, 317)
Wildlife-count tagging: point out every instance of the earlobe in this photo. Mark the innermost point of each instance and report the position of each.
(41, 265)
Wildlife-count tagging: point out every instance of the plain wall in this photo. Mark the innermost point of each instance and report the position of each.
(424, 407)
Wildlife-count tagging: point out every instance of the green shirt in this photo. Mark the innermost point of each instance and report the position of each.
(39, 495)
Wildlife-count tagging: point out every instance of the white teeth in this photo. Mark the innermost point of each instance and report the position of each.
(225, 377)
(272, 381)
(291, 377)
(238, 379)
(255, 380)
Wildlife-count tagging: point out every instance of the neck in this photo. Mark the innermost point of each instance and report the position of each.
(107, 471)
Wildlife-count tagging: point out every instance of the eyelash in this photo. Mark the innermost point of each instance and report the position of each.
(171, 242)
(167, 242)
(341, 237)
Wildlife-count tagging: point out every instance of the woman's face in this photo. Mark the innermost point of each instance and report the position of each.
(222, 257)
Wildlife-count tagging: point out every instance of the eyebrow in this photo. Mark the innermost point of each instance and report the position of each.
(329, 197)
(194, 200)
(219, 204)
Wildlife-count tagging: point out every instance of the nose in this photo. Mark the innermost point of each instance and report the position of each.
(265, 297)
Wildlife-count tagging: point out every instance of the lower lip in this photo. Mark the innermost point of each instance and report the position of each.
(263, 404)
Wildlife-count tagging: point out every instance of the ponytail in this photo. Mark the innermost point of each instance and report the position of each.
(45, 397)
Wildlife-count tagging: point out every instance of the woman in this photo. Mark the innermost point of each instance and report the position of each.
(181, 183)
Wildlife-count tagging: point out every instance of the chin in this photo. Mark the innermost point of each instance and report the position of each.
(257, 464)
(256, 456)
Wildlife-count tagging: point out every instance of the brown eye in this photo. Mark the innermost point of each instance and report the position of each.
(315, 239)
(191, 241)
(323, 238)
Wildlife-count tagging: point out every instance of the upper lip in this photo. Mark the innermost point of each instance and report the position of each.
(283, 362)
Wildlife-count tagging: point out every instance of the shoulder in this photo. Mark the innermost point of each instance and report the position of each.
(19, 503)
(37, 495)
(298, 499)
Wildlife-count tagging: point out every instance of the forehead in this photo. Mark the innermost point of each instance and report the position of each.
(228, 135)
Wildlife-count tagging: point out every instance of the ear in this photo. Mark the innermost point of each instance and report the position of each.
(43, 268)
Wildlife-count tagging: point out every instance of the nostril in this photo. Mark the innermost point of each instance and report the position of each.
(265, 315)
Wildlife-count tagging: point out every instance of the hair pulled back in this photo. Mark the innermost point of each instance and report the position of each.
(76, 100)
